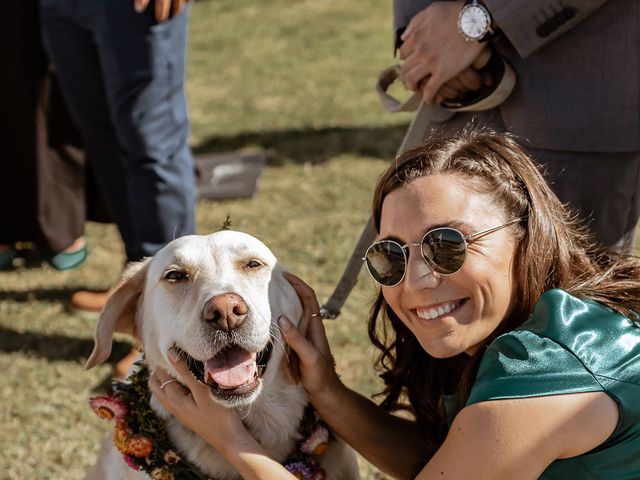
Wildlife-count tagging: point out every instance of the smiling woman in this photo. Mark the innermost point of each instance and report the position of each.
(509, 334)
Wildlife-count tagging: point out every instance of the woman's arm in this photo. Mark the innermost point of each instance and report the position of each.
(391, 443)
(519, 438)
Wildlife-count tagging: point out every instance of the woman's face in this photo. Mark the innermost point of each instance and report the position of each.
(454, 313)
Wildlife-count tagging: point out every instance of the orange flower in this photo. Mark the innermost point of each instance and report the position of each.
(161, 474)
(139, 446)
(120, 437)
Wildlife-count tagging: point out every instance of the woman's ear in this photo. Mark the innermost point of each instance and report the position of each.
(119, 313)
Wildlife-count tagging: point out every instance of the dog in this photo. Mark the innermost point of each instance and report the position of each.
(216, 298)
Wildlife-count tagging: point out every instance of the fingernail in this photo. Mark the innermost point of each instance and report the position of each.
(173, 355)
(284, 323)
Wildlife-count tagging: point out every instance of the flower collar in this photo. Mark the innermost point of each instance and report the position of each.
(142, 438)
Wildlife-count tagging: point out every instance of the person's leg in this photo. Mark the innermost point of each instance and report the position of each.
(143, 65)
(602, 188)
(71, 47)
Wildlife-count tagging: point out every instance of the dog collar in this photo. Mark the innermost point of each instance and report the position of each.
(142, 438)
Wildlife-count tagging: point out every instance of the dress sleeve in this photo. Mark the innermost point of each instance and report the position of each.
(525, 364)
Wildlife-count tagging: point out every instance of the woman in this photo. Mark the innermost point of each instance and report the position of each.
(505, 329)
(42, 185)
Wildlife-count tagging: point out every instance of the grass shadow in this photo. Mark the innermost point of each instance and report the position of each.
(312, 145)
(52, 295)
(56, 347)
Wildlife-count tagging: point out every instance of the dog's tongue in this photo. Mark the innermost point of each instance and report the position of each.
(231, 368)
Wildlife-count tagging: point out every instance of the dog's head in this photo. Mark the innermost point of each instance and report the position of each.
(217, 299)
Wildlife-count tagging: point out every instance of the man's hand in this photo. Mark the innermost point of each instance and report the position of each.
(435, 53)
(164, 9)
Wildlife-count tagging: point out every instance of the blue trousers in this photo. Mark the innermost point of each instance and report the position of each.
(122, 76)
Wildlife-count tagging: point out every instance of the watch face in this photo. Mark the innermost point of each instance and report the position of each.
(474, 21)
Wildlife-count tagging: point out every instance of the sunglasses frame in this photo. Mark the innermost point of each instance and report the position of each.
(466, 239)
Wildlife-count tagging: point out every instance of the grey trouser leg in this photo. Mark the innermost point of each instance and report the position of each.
(602, 188)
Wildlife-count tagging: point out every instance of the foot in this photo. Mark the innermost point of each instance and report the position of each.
(77, 244)
(71, 257)
(7, 254)
(88, 304)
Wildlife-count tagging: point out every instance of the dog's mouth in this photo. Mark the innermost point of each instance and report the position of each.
(233, 372)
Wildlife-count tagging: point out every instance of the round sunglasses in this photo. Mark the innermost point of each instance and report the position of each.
(444, 249)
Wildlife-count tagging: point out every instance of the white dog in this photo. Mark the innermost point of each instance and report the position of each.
(216, 298)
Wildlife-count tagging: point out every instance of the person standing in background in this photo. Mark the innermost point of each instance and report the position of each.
(42, 186)
(121, 66)
(576, 99)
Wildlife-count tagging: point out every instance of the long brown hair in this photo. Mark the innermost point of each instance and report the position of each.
(552, 251)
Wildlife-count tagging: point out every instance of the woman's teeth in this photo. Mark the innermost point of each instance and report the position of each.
(435, 312)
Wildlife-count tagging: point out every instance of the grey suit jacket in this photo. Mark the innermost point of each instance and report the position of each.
(578, 68)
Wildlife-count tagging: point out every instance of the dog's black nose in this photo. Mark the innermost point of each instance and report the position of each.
(225, 312)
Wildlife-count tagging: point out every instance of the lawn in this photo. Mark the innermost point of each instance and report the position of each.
(292, 77)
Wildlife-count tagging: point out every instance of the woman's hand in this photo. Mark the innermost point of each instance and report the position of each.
(317, 367)
(192, 404)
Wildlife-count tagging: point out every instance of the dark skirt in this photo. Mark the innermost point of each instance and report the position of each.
(42, 165)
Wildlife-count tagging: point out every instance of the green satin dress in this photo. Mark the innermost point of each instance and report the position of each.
(571, 345)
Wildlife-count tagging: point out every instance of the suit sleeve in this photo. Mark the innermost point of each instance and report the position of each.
(531, 24)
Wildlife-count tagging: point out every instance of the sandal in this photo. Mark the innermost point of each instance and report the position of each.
(68, 260)
(6, 258)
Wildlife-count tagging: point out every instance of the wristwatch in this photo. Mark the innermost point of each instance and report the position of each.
(474, 22)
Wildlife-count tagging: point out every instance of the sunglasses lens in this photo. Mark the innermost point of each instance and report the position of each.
(386, 262)
(444, 249)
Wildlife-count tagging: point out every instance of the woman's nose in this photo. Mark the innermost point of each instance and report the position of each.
(419, 274)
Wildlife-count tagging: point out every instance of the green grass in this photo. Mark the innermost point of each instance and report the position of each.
(294, 77)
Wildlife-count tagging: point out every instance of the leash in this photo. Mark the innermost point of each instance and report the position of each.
(485, 98)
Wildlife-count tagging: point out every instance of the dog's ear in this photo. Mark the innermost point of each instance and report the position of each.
(292, 359)
(119, 313)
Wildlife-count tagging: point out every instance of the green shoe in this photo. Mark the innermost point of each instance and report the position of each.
(69, 260)
(6, 259)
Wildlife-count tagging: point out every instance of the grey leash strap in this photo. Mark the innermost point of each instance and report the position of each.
(412, 138)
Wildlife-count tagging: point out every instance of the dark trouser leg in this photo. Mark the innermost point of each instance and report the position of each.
(74, 55)
(602, 188)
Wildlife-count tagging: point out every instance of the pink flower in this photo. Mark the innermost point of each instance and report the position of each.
(108, 408)
(129, 461)
(171, 457)
(317, 443)
(319, 474)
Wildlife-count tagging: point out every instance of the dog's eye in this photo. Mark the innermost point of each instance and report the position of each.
(175, 276)
(254, 264)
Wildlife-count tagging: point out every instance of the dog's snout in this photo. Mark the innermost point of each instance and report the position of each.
(225, 312)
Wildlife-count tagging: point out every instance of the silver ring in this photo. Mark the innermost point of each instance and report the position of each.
(316, 315)
(164, 384)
